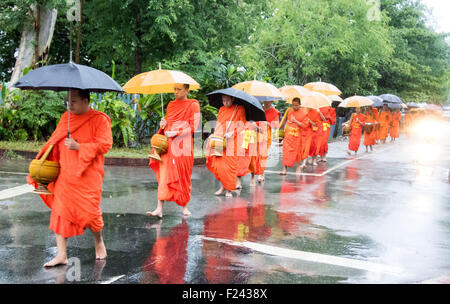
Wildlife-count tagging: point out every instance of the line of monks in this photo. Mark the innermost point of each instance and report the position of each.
(377, 126)
(75, 203)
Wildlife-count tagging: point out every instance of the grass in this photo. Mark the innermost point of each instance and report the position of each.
(113, 152)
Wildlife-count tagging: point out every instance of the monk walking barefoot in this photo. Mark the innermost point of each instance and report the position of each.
(174, 171)
(75, 203)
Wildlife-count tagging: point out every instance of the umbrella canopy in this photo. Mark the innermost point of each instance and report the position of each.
(253, 108)
(393, 105)
(63, 77)
(158, 81)
(390, 98)
(377, 101)
(268, 98)
(323, 87)
(335, 98)
(259, 88)
(356, 101)
(413, 105)
(315, 101)
(291, 91)
(434, 107)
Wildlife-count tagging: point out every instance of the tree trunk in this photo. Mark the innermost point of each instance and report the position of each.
(80, 23)
(138, 51)
(31, 50)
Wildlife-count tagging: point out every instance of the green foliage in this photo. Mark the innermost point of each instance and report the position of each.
(31, 115)
(122, 117)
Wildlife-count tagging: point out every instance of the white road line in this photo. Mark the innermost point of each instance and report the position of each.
(17, 173)
(293, 173)
(113, 279)
(12, 192)
(312, 257)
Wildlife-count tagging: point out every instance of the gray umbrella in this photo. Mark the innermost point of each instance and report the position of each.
(267, 98)
(253, 108)
(393, 105)
(63, 77)
(390, 98)
(377, 101)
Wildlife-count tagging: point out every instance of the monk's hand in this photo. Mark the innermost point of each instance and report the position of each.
(229, 134)
(71, 144)
(162, 123)
(170, 133)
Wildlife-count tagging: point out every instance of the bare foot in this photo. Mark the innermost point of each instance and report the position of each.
(238, 184)
(58, 260)
(252, 183)
(220, 191)
(100, 251)
(283, 173)
(260, 178)
(324, 160)
(186, 212)
(349, 153)
(228, 194)
(299, 169)
(157, 212)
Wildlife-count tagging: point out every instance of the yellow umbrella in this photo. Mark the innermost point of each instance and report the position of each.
(335, 98)
(291, 91)
(323, 87)
(158, 81)
(315, 101)
(258, 88)
(356, 101)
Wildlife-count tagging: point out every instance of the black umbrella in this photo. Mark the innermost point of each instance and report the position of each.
(253, 108)
(63, 77)
(390, 98)
(377, 101)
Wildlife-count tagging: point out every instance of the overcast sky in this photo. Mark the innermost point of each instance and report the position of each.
(439, 20)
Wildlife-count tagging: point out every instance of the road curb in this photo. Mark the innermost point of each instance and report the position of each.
(109, 161)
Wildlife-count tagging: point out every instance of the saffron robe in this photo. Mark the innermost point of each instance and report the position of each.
(395, 128)
(75, 203)
(330, 115)
(317, 132)
(273, 117)
(356, 133)
(297, 140)
(263, 143)
(384, 118)
(225, 167)
(174, 171)
(370, 138)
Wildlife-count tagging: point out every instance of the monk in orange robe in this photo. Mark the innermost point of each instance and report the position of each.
(246, 149)
(370, 138)
(376, 115)
(357, 123)
(316, 138)
(297, 137)
(174, 171)
(384, 118)
(230, 121)
(272, 115)
(395, 125)
(77, 192)
(263, 141)
(330, 115)
(408, 122)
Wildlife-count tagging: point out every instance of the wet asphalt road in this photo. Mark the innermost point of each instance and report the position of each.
(383, 217)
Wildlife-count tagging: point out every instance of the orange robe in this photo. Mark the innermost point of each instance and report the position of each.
(317, 131)
(384, 119)
(77, 191)
(273, 117)
(330, 115)
(297, 140)
(263, 142)
(395, 129)
(370, 138)
(225, 167)
(174, 171)
(246, 148)
(354, 140)
(376, 116)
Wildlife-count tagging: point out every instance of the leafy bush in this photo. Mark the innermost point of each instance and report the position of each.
(122, 117)
(30, 114)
